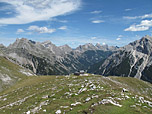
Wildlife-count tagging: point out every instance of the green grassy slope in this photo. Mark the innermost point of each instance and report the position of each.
(10, 73)
(77, 95)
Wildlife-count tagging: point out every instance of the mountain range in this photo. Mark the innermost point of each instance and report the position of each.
(132, 60)
(45, 58)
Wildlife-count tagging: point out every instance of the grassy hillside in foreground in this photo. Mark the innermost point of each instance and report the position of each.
(77, 95)
(10, 73)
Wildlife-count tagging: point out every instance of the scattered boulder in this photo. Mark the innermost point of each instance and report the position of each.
(141, 99)
(127, 97)
(28, 112)
(94, 96)
(4, 99)
(133, 106)
(58, 112)
(64, 106)
(45, 96)
(44, 110)
(88, 99)
(74, 104)
(94, 104)
(124, 90)
(106, 101)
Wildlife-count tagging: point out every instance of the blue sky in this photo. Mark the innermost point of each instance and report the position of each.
(75, 22)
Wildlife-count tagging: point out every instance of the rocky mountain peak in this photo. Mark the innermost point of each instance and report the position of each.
(148, 37)
(106, 47)
(21, 43)
(1, 46)
(88, 46)
(66, 48)
(103, 47)
(52, 47)
(98, 45)
(22, 40)
(1, 49)
(132, 60)
(143, 45)
(47, 44)
(33, 42)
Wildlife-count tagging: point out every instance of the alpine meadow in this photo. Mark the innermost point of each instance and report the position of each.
(75, 57)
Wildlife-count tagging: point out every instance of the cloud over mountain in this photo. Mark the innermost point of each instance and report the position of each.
(38, 10)
(96, 12)
(19, 31)
(41, 29)
(143, 26)
(97, 21)
(63, 28)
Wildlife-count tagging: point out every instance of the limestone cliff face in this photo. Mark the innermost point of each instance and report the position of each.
(48, 59)
(132, 60)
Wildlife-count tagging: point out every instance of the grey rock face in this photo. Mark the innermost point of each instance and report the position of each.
(65, 48)
(2, 49)
(53, 48)
(46, 58)
(85, 47)
(106, 47)
(98, 46)
(1, 46)
(133, 60)
(35, 56)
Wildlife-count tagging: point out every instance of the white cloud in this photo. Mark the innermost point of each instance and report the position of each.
(20, 31)
(128, 9)
(120, 36)
(136, 28)
(118, 39)
(63, 28)
(146, 23)
(103, 43)
(143, 26)
(93, 38)
(96, 12)
(139, 17)
(39, 10)
(97, 21)
(41, 29)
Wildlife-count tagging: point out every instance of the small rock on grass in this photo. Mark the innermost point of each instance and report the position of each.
(58, 112)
